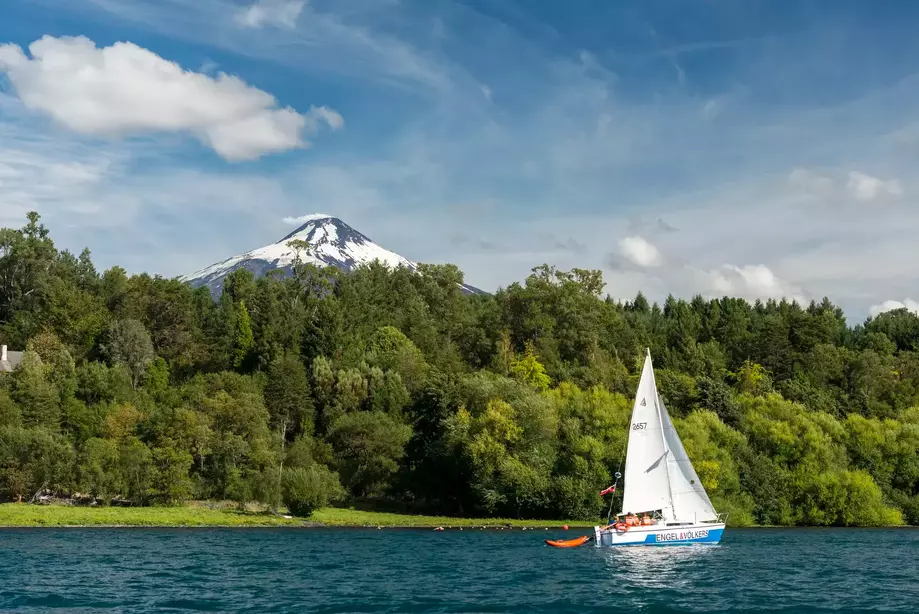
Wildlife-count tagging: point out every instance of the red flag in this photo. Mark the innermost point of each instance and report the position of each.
(608, 490)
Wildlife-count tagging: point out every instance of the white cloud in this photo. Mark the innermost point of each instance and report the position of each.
(679, 275)
(859, 186)
(271, 12)
(752, 281)
(640, 252)
(329, 116)
(867, 188)
(125, 89)
(908, 304)
(296, 221)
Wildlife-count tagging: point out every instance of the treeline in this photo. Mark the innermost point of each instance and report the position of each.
(393, 388)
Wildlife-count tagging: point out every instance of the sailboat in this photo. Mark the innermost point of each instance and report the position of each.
(661, 484)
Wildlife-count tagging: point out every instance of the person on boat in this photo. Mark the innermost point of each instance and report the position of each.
(631, 520)
(646, 520)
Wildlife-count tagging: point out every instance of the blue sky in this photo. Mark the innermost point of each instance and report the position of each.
(751, 148)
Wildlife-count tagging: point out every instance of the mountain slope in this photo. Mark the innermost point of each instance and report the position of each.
(331, 242)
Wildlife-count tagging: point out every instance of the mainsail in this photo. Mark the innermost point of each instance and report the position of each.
(658, 473)
(647, 480)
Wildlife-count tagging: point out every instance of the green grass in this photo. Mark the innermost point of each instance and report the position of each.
(338, 517)
(223, 515)
(24, 515)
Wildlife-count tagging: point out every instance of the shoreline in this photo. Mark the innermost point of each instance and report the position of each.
(222, 515)
(227, 516)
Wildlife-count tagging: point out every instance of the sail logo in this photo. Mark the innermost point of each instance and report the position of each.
(643, 404)
(681, 535)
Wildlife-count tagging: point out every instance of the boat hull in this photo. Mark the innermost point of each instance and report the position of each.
(708, 533)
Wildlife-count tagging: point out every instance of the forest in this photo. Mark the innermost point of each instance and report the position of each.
(392, 389)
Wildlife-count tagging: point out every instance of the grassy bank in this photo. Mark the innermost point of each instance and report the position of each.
(336, 517)
(24, 515)
(205, 515)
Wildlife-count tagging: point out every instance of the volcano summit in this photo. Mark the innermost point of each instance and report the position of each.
(330, 242)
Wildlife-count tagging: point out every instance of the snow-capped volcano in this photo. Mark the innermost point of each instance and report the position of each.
(330, 242)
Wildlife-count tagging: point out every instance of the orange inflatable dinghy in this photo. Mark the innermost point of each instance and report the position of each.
(567, 543)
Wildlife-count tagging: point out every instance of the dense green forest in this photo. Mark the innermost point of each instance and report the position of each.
(396, 390)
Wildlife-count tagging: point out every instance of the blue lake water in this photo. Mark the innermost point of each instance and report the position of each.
(357, 570)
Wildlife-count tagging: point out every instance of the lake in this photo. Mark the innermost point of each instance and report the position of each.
(391, 570)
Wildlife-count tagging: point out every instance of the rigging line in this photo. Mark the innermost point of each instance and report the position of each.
(609, 514)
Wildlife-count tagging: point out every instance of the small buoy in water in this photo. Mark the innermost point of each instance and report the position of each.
(564, 527)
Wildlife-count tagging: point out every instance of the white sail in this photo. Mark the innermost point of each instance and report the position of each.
(647, 480)
(689, 499)
(658, 472)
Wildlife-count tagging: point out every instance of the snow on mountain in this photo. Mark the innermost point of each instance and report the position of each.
(330, 241)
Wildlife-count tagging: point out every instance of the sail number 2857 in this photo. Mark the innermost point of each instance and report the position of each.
(637, 426)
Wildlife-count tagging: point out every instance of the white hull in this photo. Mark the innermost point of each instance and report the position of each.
(660, 535)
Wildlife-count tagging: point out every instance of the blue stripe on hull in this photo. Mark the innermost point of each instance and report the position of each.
(712, 538)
